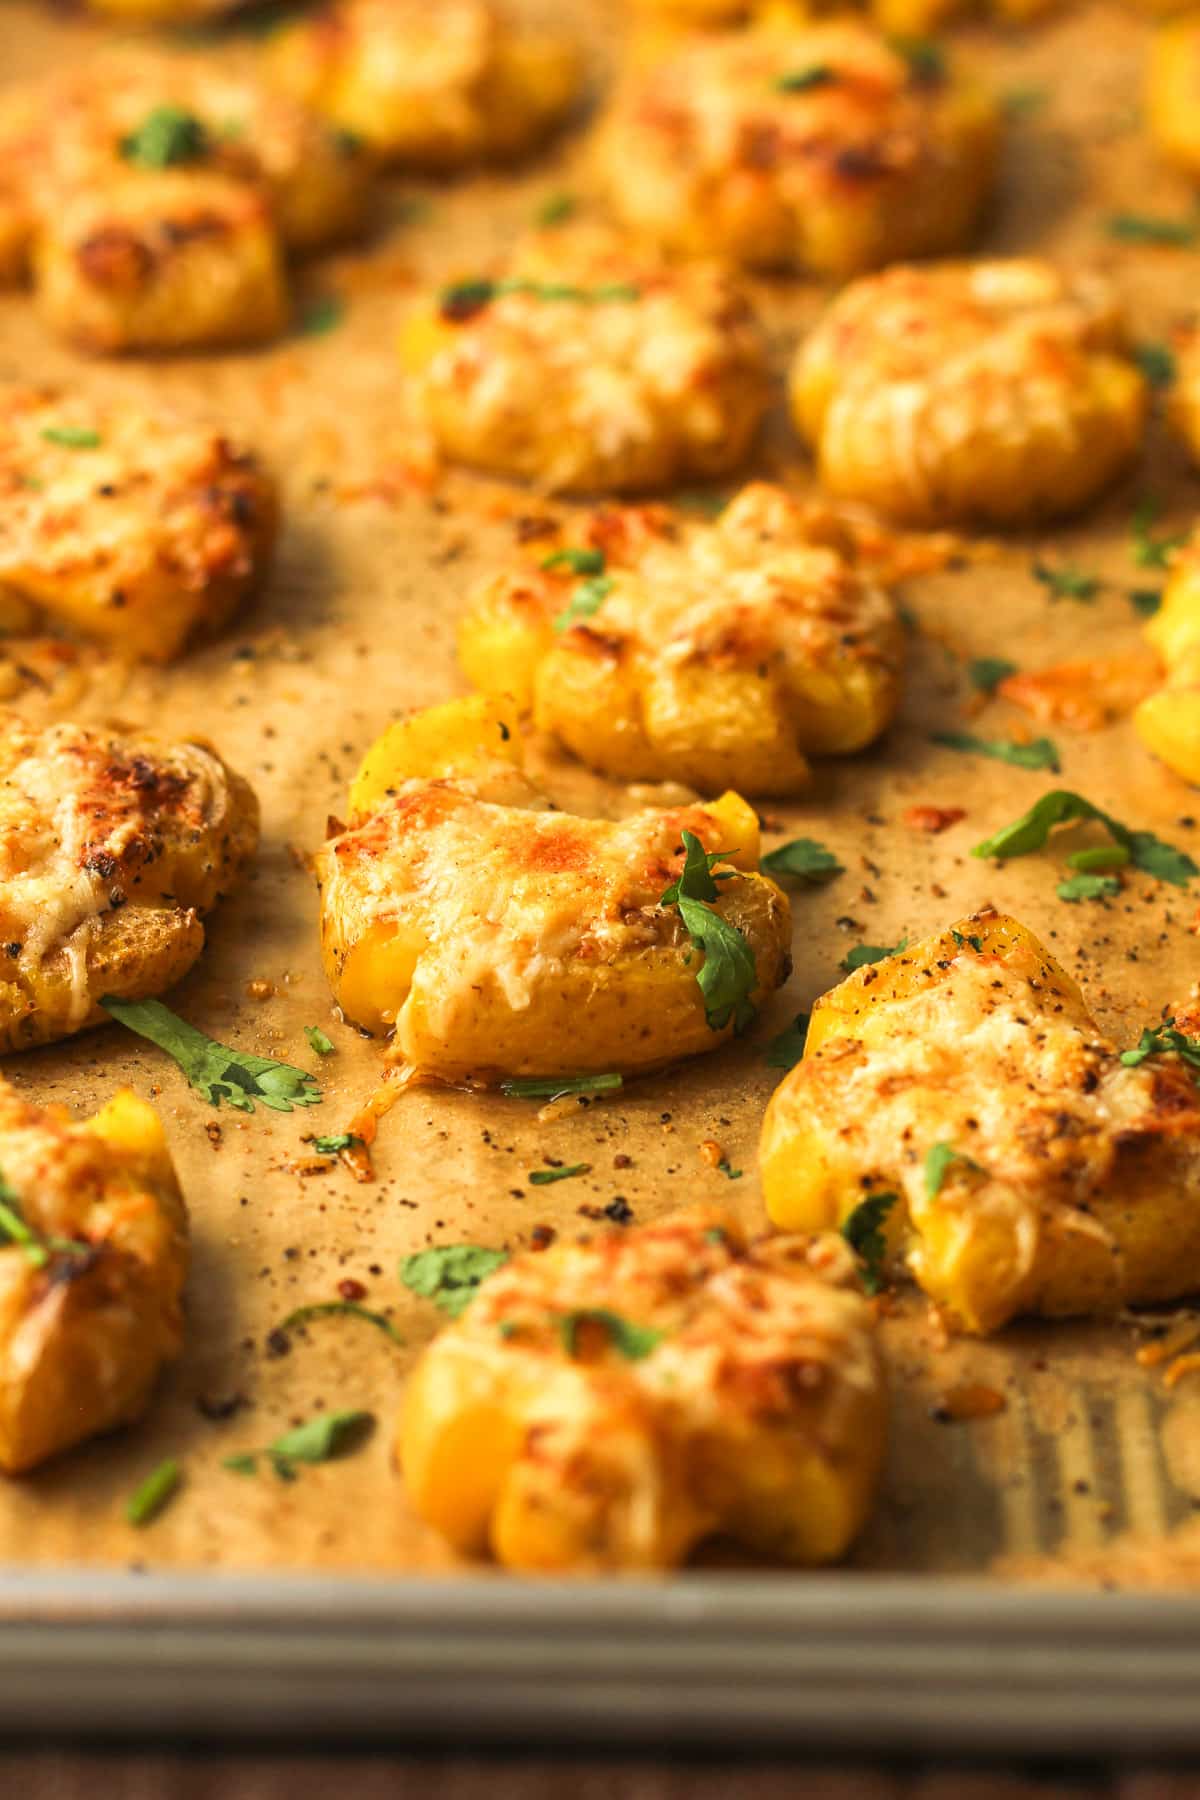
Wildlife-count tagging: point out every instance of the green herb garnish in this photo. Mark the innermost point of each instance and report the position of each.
(987, 672)
(321, 315)
(1145, 601)
(633, 1341)
(543, 1177)
(971, 938)
(213, 1070)
(317, 1441)
(864, 1231)
(926, 60)
(723, 1168)
(158, 1489)
(1019, 102)
(864, 954)
(1066, 582)
(785, 1050)
(585, 600)
(1059, 807)
(1160, 1043)
(325, 1309)
(1100, 856)
(938, 1162)
(580, 562)
(165, 138)
(318, 1041)
(557, 1087)
(1040, 754)
(803, 858)
(38, 1248)
(450, 1274)
(727, 976)
(335, 1143)
(1150, 228)
(802, 81)
(72, 437)
(556, 209)
(1088, 887)
(1149, 551)
(1157, 363)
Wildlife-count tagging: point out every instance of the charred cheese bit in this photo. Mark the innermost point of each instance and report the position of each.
(1072, 1185)
(155, 198)
(609, 1404)
(429, 86)
(1168, 720)
(718, 655)
(995, 391)
(90, 1301)
(111, 850)
(140, 529)
(494, 936)
(584, 365)
(733, 146)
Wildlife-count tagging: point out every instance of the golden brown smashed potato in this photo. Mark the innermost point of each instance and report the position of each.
(583, 364)
(140, 529)
(112, 848)
(662, 648)
(429, 85)
(1168, 720)
(155, 198)
(904, 18)
(1033, 1170)
(609, 1404)
(1173, 91)
(816, 147)
(995, 391)
(493, 936)
(93, 1255)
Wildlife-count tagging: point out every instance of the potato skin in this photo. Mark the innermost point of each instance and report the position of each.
(495, 937)
(84, 1335)
(1083, 1197)
(760, 1413)
(992, 391)
(721, 655)
(708, 154)
(112, 849)
(144, 539)
(428, 88)
(1168, 720)
(664, 380)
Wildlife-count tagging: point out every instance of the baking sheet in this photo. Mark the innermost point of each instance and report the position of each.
(377, 559)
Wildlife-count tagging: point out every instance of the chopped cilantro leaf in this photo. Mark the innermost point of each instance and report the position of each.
(166, 137)
(1040, 754)
(153, 1494)
(727, 977)
(450, 1274)
(987, 672)
(697, 879)
(865, 1230)
(1149, 551)
(1066, 582)
(1100, 856)
(322, 1045)
(1145, 601)
(1088, 887)
(1059, 807)
(324, 1309)
(580, 562)
(1150, 228)
(925, 59)
(864, 954)
(557, 1087)
(72, 437)
(543, 1177)
(38, 1248)
(802, 81)
(804, 858)
(214, 1071)
(321, 315)
(335, 1143)
(586, 600)
(1157, 363)
(723, 1168)
(633, 1341)
(318, 1440)
(785, 1050)
(1160, 1043)
(556, 209)
(938, 1162)
(971, 938)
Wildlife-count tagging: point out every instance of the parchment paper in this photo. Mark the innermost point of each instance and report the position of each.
(376, 562)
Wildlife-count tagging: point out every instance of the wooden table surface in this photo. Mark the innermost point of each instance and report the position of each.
(263, 1775)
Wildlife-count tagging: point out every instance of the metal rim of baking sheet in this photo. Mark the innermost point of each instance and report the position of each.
(894, 1662)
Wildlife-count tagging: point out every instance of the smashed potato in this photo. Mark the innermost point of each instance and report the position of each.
(904, 18)
(815, 147)
(584, 365)
(1033, 1171)
(1168, 720)
(141, 530)
(155, 199)
(1173, 91)
(994, 391)
(494, 936)
(712, 654)
(429, 86)
(93, 1256)
(609, 1404)
(112, 848)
